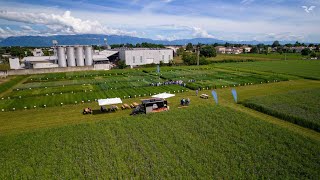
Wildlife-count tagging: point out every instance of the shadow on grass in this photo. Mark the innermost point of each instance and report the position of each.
(97, 112)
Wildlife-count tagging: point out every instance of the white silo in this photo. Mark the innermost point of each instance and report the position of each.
(88, 55)
(79, 56)
(62, 57)
(70, 56)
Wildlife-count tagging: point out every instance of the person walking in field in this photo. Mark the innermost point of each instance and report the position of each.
(197, 91)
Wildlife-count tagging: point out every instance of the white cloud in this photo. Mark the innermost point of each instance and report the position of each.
(167, 38)
(244, 23)
(247, 1)
(64, 23)
(199, 32)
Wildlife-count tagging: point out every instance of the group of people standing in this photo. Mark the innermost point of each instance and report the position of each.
(185, 102)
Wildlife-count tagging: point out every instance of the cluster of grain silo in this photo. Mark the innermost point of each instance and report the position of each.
(70, 56)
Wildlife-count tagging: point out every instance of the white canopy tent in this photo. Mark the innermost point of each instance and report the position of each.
(109, 101)
(163, 95)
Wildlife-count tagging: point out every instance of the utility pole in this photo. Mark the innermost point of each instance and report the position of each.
(198, 54)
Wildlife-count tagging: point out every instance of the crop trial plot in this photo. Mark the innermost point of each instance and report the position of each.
(211, 78)
(73, 88)
(299, 107)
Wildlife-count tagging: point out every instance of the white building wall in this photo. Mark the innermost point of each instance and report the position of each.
(146, 56)
(44, 65)
(14, 63)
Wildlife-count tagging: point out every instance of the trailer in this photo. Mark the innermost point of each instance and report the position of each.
(150, 106)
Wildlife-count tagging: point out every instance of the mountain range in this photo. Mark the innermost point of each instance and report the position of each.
(98, 39)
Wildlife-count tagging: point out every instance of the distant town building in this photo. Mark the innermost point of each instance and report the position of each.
(220, 49)
(37, 52)
(246, 49)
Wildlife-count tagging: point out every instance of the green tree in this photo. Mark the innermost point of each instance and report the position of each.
(289, 45)
(208, 51)
(203, 61)
(189, 47)
(275, 44)
(121, 64)
(297, 44)
(180, 51)
(305, 52)
(313, 54)
(254, 49)
(189, 58)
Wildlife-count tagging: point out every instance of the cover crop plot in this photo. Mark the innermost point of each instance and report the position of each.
(299, 107)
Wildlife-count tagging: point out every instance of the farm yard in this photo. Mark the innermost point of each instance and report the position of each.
(204, 140)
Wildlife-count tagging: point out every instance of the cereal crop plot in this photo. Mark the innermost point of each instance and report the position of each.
(303, 68)
(208, 77)
(205, 142)
(299, 107)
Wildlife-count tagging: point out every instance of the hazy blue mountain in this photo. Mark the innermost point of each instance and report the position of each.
(95, 39)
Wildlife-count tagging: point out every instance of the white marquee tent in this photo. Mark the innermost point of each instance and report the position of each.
(163, 95)
(109, 101)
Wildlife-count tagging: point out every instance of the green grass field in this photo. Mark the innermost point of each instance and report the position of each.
(249, 57)
(290, 106)
(203, 141)
(207, 142)
(257, 57)
(306, 68)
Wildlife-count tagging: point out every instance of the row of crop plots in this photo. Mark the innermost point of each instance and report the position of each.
(58, 89)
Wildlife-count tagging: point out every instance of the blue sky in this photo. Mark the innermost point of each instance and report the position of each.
(262, 20)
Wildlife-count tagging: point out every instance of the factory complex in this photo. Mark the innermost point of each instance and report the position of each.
(86, 56)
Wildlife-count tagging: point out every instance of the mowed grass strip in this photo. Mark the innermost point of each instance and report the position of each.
(10, 83)
(299, 107)
(205, 142)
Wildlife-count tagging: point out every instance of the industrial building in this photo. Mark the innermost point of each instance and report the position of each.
(80, 56)
(141, 56)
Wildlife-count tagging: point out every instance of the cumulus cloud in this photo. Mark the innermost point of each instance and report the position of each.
(199, 32)
(65, 23)
(7, 32)
(167, 38)
(286, 36)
